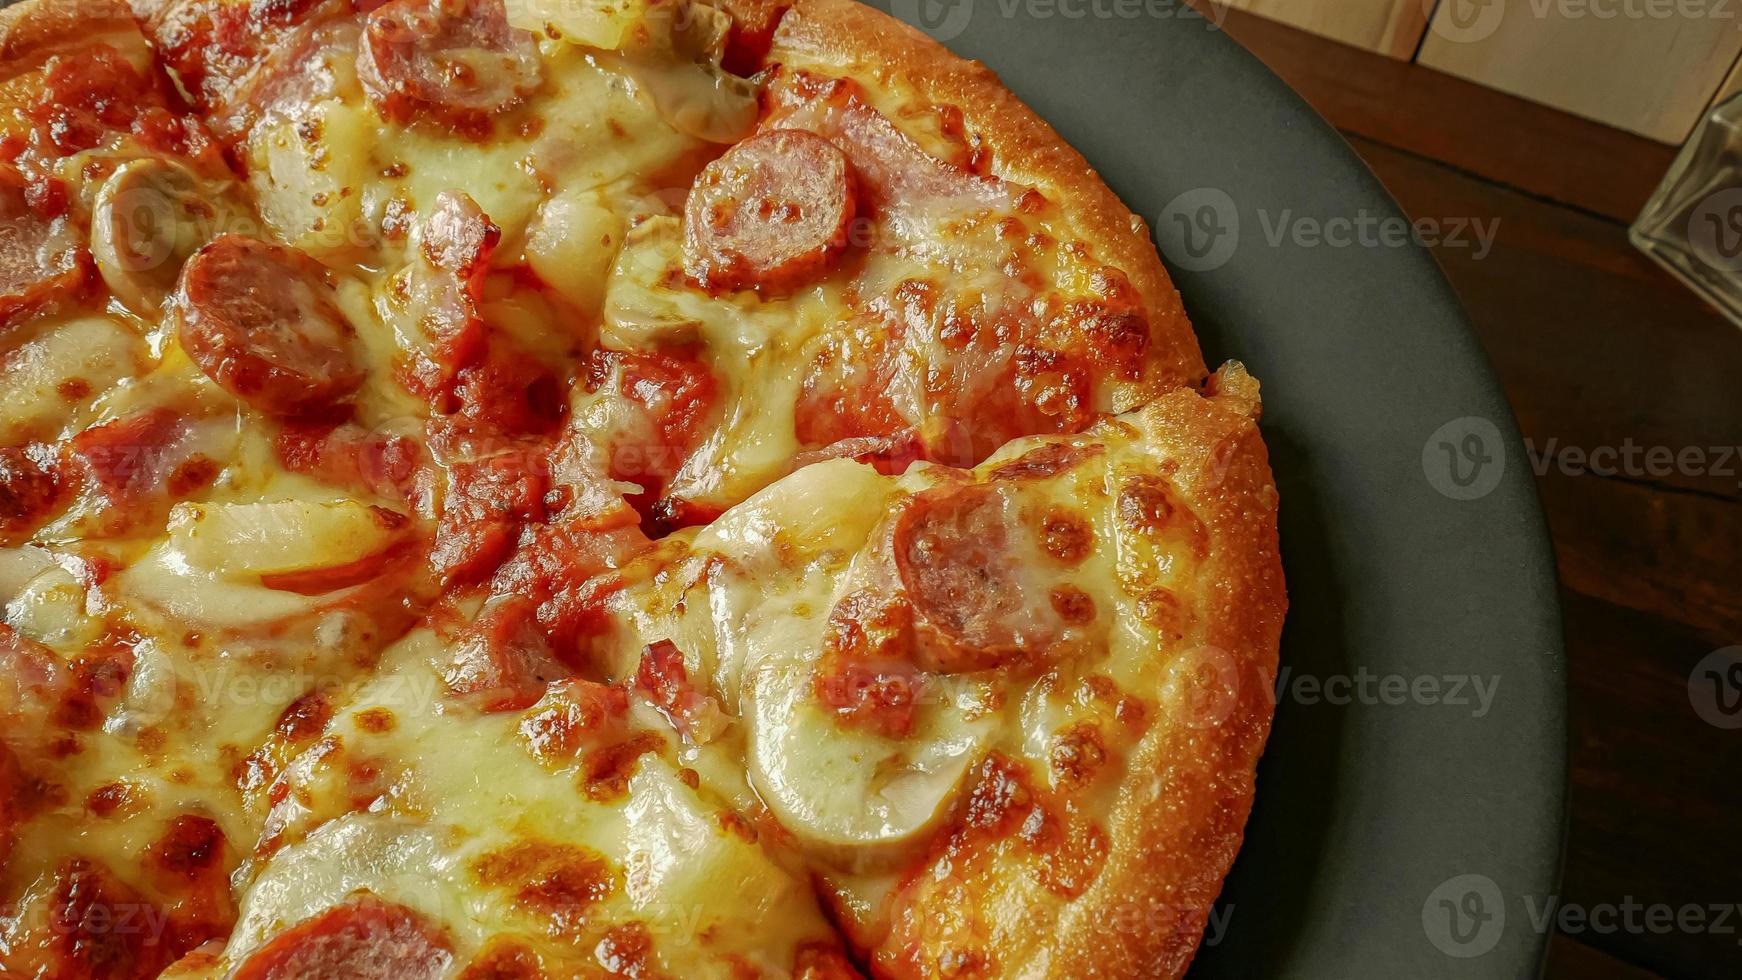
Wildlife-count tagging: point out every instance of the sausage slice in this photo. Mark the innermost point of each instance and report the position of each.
(958, 563)
(455, 60)
(770, 214)
(260, 321)
(40, 259)
(364, 939)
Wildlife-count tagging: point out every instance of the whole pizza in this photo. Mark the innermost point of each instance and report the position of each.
(599, 488)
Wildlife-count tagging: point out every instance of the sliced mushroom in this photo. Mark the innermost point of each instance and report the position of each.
(849, 796)
(148, 217)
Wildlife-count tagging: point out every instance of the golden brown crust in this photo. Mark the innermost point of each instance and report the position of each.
(1180, 816)
(845, 37)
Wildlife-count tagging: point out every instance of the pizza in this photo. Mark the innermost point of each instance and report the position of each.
(599, 488)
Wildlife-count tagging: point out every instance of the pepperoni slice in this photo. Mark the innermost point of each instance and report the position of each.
(954, 557)
(40, 258)
(363, 939)
(458, 61)
(771, 214)
(260, 321)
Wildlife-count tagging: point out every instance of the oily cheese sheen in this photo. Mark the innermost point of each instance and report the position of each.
(694, 488)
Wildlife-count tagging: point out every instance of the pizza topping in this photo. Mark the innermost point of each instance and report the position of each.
(89, 94)
(363, 939)
(771, 214)
(135, 467)
(509, 392)
(646, 411)
(664, 680)
(41, 260)
(1043, 462)
(896, 172)
(259, 320)
(148, 218)
(30, 488)
(558, 884)
(953, 554)
(488, 500)
(573, 715)
(503, 661)
(458, 61)
(442, 289)
(387, 465)
(274, 539)
(85, 938)
(850, 795)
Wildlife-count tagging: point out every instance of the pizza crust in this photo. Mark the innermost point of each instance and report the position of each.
(847, 38)
(1181, 812)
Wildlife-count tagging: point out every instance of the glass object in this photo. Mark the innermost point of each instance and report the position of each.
(1693, 223)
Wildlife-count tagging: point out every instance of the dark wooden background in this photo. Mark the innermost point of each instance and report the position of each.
(1596, 347)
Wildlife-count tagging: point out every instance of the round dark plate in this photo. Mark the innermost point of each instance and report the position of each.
(1409, 812)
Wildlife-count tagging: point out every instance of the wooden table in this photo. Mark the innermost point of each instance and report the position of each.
(1596, 347)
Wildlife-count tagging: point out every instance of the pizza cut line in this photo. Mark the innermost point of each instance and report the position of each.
(599, 488)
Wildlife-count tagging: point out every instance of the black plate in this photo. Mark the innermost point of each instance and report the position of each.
(1394, 836)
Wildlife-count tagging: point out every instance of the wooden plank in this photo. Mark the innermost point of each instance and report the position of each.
(1491, 134)
(1676, 555)
(1391, 27)
(1570, 959)
(1650, 68)
(1654, 795)
(1596, 346)
(1732, 85)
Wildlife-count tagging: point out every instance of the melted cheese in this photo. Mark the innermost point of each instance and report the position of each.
(409, 792)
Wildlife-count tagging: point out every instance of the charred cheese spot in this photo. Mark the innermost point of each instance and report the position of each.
(505, 959)
(574, 716)
(558, 885)
(1078, 755)
(625, 950)
(1073, 605)
(1012, 843)
(1066, 534)
(118, 799)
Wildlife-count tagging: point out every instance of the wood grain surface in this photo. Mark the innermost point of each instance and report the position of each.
(1646, 66)
(1390, 27)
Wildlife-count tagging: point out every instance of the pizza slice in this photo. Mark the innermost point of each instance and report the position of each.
(1009, 715)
